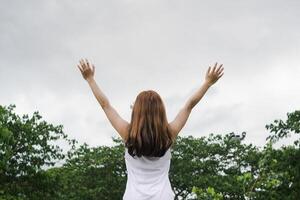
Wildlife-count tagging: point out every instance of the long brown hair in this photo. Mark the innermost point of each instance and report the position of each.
(149, 134)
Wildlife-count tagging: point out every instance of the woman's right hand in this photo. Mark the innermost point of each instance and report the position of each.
(87, 69)
(213, 75)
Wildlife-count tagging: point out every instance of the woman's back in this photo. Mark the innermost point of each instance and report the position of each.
(148, 177)
(148, 134)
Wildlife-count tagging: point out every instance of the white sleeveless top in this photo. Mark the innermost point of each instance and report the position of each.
(148, 177)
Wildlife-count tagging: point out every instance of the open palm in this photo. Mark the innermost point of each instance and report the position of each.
(87, 70)
(212, 75)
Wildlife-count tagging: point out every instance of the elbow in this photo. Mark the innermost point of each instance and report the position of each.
(104, 104)
(190, 104)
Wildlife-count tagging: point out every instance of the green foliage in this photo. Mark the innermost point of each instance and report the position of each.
(25, 147)
(215, 167)
(93, 173)
(281, 129)
(213, 161)
(208, 194)
(271, 173)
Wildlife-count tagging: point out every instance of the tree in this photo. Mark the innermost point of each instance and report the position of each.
(211, 163)
(275, 174)
(93, 173)
(214, 167)
(25, 147)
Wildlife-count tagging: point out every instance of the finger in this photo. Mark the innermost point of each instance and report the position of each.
(82, 64)
(79, 68)
(219, 68)
(93, 68)
(220, 71)
(222, 68)
(220, 75)
(87, 63)
(208, 70)
(214, 68)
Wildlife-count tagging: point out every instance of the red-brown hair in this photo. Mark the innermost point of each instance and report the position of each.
(149, 134)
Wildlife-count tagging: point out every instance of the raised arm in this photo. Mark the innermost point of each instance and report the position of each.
(120, 125)
(211, 77)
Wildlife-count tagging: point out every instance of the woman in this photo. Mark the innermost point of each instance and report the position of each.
(149, 136)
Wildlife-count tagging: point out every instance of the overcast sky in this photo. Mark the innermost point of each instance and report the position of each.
(161, 45)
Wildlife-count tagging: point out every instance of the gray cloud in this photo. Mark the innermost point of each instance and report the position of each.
(161, 45)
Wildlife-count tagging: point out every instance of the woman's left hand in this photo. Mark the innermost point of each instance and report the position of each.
(87, 69)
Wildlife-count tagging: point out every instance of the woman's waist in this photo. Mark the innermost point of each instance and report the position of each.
(151, 177)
